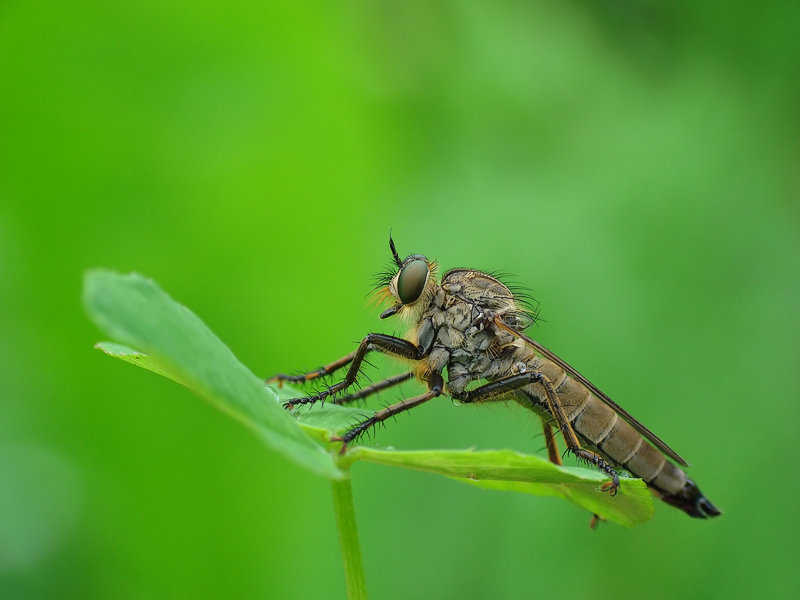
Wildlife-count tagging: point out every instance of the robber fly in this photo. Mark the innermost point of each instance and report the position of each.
(471, 325)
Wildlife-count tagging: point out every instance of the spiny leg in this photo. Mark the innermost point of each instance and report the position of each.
(495, 390)
(435, 387)
(380, 386)
(387, 344)
(321, 372)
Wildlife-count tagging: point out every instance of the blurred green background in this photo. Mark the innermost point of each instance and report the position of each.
(635, 164)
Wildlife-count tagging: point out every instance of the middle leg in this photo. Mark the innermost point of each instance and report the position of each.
(373, 389)
(435, 387)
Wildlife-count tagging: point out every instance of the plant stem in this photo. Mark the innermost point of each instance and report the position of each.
(348, 539)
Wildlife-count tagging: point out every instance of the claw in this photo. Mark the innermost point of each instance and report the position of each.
(611, 486)
(337, 438)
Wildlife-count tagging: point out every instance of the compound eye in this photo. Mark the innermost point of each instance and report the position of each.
(411, 281)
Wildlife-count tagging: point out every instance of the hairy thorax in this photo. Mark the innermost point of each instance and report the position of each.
(471, 318)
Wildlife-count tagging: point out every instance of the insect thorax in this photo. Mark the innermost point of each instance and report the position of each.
(471, 317)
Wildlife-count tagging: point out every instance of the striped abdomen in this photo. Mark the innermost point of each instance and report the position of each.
(602, 429)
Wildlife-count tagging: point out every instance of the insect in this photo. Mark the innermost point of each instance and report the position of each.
(471, 325)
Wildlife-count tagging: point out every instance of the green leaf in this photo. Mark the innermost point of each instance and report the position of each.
(511, 471)
(172, 341)
(140, 359)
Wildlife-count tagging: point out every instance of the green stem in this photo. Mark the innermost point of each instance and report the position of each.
(348, 539)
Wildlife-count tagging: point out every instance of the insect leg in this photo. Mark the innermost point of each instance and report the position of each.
(435, 387)
(321, 372)
(552, 444)
(495, 389)
(555, 458)
(381, 385)
(387, 344)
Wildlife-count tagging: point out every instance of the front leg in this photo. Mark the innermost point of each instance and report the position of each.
(387, 344)
(311, 375)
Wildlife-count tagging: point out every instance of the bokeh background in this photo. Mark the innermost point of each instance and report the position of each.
(634, 163)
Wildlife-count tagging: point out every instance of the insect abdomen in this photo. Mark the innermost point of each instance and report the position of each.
(600, 427)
